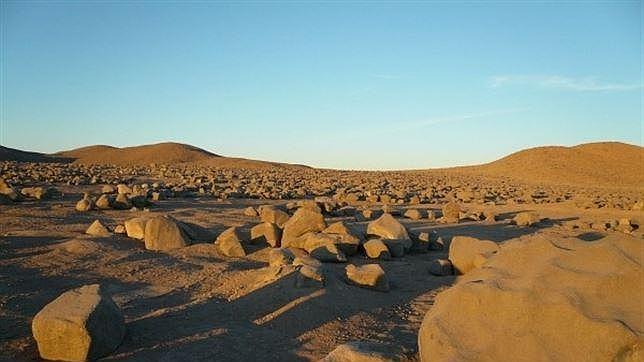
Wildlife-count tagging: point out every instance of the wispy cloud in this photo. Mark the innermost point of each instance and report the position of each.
(405, 126)
(586, 84)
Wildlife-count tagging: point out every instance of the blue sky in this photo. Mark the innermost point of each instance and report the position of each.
(344, 85)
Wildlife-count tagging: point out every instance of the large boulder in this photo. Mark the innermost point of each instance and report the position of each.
(349, 238)
(273, 215)
(8, 191)
(230, 243)
(302, 222)
(467, 253)
(324, 247)
(164, 233)
(81, 324)
(376, 249)
(135, 228)
(266, 232)
(543, 298)
(387, 227)
(369, 276)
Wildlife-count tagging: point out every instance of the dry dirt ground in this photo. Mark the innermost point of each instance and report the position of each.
(193, 304)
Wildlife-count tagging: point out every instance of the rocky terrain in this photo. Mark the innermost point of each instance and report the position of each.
(169, 252)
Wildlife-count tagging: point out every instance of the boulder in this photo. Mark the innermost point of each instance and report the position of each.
(266, 232)
(302, 222)
(349, 238)
(123, 189)
(542, 298)
(8, 191)
(97, 229)
(376, 249)
(108, 189)
(414, 214)
(86, 204)
(230, 243)
(135, 228)
(387, 227)
(441, 267)
(527, 218)
(81, 324)
(309, 276)
(163, 233)
(279, 257)
(323, 247)
(451, 212)
(104, 202)
(39, 193)
(273, 215)
(467, 253)
(121, 202)
(250, 211)
(369, 276)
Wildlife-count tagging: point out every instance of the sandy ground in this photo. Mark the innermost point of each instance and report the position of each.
(193, 304)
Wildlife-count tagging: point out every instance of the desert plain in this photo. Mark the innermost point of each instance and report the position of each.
(168, 253)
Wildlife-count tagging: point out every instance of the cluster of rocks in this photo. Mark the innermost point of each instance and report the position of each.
(283, 183)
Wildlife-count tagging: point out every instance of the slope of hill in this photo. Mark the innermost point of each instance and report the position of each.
(168, 152)
(592, 164)
(12, 154)
(160, 153)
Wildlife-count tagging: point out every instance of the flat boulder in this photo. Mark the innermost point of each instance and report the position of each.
(543, 298)
(370, 276)
(163, 233)
(467, 253)
(81, 324)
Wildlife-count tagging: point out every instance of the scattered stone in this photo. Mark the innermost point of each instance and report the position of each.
(451, 212)
(376, 249)
(104, 202)
(368, 276)
(309, 277)
(97, 229)
(86, 204)
(527, 218)
(441, 267)
(163, 233)
(81, 324)
(363, 352)
(414, 214)
(120, 229)
(302, 222)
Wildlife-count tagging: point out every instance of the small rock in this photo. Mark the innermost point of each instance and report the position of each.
(368, 276)
(441, 267)
(97, 229)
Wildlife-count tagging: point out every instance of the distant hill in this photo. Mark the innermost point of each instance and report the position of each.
(168, 152)
(592, 164)
(160, 153)
(12, 154)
